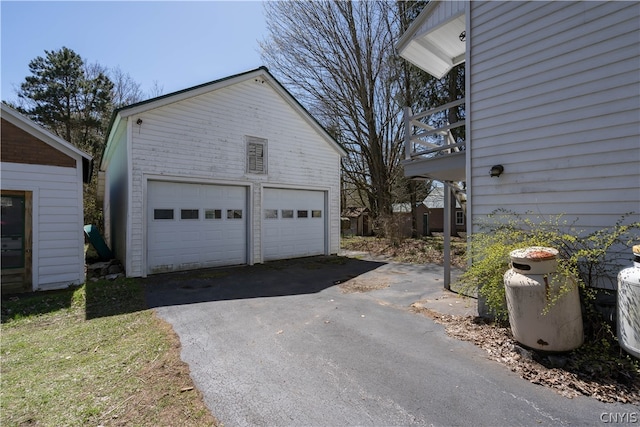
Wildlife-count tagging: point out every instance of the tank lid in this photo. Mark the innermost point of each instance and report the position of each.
(535, 253)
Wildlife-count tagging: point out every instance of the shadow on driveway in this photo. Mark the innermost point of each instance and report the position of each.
(272, 279)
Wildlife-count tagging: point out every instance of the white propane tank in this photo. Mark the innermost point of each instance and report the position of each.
(530, 285)
(629, 306)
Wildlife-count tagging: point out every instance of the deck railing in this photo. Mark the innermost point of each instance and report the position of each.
(424, 140)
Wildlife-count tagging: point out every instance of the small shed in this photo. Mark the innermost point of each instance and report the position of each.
(230, 172)
(42, 207)
(430, 214)
(357, 221)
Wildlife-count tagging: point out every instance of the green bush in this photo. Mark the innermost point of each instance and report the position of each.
(586, 257)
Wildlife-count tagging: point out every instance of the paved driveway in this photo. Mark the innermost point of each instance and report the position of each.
(280, 344)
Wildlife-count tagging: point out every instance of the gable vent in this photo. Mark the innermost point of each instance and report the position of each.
(256, 155)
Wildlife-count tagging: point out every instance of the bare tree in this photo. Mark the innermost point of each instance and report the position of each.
(126, 91)
(337, 57)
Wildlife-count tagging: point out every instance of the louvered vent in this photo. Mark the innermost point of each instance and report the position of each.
(256, 155)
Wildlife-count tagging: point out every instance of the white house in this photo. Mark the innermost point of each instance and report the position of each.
(230, 172)
(552, 96)
(42, 208)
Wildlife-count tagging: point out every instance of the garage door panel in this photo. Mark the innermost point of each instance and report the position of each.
(289, 228)
(182, 244)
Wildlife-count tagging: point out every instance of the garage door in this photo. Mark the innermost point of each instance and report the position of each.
(293, 223)
(193, 226)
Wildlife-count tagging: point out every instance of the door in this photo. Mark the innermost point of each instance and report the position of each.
(191, 226)
(16, 230)
(293, 223)
(425, 225)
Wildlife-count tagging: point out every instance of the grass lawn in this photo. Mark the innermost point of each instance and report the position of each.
(93, 356)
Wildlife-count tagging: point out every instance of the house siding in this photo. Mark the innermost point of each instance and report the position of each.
(19, 146)
(555, 99)
(116, 196)
(202, 139)
(58, 240)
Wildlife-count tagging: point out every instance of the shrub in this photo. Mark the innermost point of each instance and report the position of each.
(588, 258)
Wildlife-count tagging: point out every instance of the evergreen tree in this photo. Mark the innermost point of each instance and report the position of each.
(60, 96)
(73, 101)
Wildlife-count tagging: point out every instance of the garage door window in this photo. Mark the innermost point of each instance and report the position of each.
(316, 214)
(271, 214)
(189, 214)
(213, 214)
(287, 213)
(303, 214)
(163, 214)
(234, 213)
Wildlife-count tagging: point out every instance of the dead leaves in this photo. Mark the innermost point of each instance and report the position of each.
(363, 285)
(570, 380)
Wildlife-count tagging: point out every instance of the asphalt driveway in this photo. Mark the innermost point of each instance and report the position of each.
(281, 344)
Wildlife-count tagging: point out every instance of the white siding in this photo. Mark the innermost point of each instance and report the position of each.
(58, 239)
(555, 98)
(202, 139)
(116, 196)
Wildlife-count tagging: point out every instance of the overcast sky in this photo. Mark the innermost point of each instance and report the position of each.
(177, 44)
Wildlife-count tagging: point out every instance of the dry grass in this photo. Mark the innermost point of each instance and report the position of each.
(418, 251)
(93, 356)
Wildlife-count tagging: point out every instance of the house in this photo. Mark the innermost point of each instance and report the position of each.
(552, 107)
(357, 221)
(42, 207)
(430, 214)
(230, 172)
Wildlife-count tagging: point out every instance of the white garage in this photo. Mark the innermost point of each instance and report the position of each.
(230, 172)
(193, 226)
(294, 223)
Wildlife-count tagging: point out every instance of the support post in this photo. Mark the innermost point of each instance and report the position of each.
(447, 236)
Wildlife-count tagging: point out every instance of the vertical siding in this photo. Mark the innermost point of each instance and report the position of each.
(555, 99)
(58, 240)
(203, 139)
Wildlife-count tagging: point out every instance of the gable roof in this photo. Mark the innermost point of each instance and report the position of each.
(32, 128)
(354, 212)
(435, 199)
(261, 73)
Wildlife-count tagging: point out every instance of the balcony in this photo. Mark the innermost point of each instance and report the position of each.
(432, 152)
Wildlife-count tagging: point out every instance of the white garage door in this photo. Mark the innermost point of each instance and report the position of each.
(193, 226)
(293, 223)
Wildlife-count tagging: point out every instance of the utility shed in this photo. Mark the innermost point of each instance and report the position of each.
(230, 172)
(42, 207)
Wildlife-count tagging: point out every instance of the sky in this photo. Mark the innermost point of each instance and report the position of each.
(176, 44)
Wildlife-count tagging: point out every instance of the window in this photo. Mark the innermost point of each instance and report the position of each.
(189, 213)
(212, 214)
(163, 214)
(316, 214)
(256, 155)
(303, 214)
(234, 213)
(271, 214)
(459, 218)
(287, 213)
